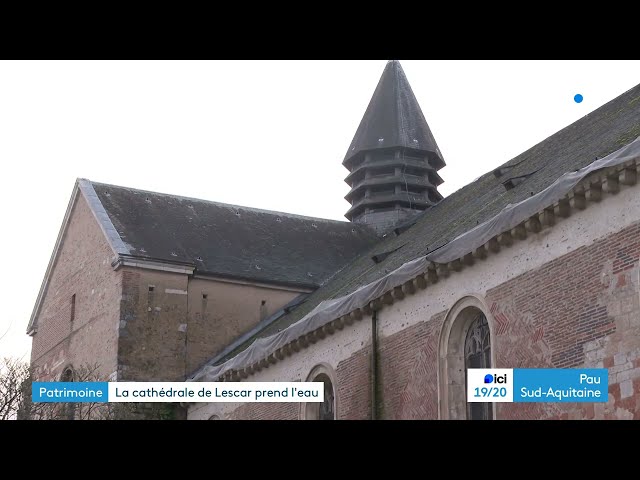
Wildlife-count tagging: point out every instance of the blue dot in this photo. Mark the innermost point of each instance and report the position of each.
(578, 98)
(488, 378)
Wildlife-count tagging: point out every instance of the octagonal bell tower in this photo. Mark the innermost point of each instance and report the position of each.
(393, 158)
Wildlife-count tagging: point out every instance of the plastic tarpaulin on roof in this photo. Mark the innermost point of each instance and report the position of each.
(329, 310)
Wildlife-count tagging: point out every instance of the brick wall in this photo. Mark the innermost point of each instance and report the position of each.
(580, 310)
(354, 385)
(168, 328)
(83, 268)
(228, 311)
(267, 411)
(153, 326)
(408, 370)
(135, 321)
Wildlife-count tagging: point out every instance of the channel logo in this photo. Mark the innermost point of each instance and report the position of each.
(537, 385)
(489, 385)
(488, 378)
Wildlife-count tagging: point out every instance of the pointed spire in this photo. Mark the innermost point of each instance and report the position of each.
(393, 118)
(393, 158)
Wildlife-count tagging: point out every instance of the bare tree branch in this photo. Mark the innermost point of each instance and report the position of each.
(6, 331)
(13, 375)
(16, 378)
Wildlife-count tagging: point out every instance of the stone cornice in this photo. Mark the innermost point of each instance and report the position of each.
(592, 189)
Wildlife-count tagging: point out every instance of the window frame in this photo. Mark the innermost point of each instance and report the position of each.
(311, 410)
(452, 402)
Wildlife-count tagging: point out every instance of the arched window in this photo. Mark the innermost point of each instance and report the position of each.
(67, 409)
(465, 342)
(477, 354)
(325, 410)
(67, 374)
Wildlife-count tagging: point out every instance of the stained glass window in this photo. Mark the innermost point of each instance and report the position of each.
(326, 411)
(477, 354)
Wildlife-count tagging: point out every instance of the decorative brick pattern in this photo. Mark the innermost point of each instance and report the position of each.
(266, 411)
(354, 386)
(581, 310)
(409, 373)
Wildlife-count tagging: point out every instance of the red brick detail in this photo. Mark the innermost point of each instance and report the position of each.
(502, 321)
(553, 311)
(621, 280)
(561, 303)
(531, 411)
(408, 371)
(354, 386)
(628, 403)
(538, 334)
(614, 391)
(267, 411)
(625, 256)
(542, 319)
(588, 410)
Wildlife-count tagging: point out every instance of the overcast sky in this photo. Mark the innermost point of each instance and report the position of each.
(266, 134)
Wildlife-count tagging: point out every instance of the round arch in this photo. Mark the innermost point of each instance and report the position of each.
(452, 396)
(323, 372)
(67, 410)
(68, 374)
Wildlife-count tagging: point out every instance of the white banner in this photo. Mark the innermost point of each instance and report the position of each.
(190, 392)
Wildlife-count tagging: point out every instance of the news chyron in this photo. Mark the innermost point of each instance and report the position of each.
(537, 385)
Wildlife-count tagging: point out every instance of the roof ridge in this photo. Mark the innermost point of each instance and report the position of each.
(222, 204)
(522, 155)
(354, 305)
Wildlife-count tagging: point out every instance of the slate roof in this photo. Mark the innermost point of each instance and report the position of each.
(229, 240)
(394, 119)
(594, 136)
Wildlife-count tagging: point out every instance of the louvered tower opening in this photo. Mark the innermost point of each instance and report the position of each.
(393, 160)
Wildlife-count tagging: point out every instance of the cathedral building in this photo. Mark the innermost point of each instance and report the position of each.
(533, 265)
